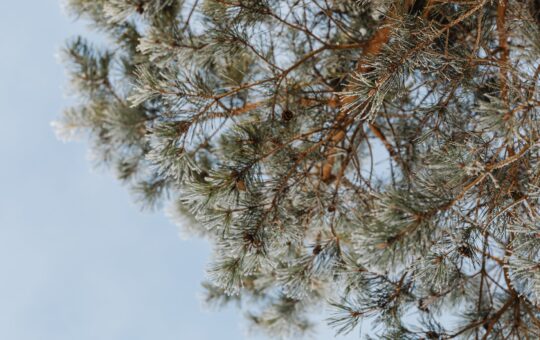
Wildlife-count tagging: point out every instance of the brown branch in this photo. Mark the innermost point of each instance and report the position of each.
(497, 316)
(373, 47)
(379, 134)
(248, 107)
(503, 45)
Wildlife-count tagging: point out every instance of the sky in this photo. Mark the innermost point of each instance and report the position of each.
(78, 259)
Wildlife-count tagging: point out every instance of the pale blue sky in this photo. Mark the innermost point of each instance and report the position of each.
(78, 260)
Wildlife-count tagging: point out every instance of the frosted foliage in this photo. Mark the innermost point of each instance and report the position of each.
(374, 160)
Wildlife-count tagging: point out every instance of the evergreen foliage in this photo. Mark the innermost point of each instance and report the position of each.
(376, 158)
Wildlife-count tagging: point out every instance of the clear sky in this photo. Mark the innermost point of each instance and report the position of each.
(78, 260)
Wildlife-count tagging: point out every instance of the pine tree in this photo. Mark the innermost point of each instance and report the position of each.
(377, 159)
